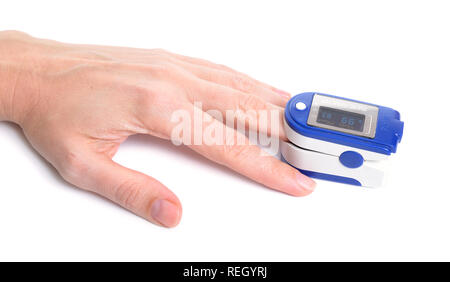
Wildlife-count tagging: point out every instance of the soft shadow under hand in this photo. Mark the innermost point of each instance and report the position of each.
(183, 152)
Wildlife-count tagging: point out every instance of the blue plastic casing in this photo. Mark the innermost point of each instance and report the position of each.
(351, 159)
(325, 176)
(330, 177)
(388, 133)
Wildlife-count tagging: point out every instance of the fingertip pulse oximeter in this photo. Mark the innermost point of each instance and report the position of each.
(339, 139)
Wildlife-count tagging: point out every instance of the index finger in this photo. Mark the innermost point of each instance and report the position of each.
(251, 161)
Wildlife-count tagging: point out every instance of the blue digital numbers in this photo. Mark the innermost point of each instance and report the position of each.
(341, 119)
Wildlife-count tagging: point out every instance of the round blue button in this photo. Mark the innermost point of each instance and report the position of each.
(351, 159)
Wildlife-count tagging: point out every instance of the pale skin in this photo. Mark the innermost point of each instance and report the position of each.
(77, 103)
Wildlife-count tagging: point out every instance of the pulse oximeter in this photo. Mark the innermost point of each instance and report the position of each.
(339, 139)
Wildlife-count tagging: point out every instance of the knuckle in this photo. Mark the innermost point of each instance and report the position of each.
(159, 58)
(145, 95)
(73, 167)
(242, 83)
(141, 90)
(251, 102)
(127, 193)
(233, 153)
(270, 168)
(161, 70)
(148, 96)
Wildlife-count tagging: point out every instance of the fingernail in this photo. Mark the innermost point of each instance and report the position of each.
(283, 94)
(305, 182)
(165, 212)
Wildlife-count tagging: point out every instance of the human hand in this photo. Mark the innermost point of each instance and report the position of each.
(77, 103)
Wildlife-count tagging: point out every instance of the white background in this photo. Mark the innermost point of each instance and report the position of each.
(393, 53)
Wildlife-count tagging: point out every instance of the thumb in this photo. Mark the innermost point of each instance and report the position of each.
(135, 191)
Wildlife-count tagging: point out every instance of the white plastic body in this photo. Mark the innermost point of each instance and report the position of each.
(321, 156)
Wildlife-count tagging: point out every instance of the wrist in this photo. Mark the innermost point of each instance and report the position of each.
(17, 75)
(4, 89)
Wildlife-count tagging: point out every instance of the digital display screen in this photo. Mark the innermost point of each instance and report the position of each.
(342, 119)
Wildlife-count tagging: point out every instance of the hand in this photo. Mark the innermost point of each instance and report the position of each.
(78, 103)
